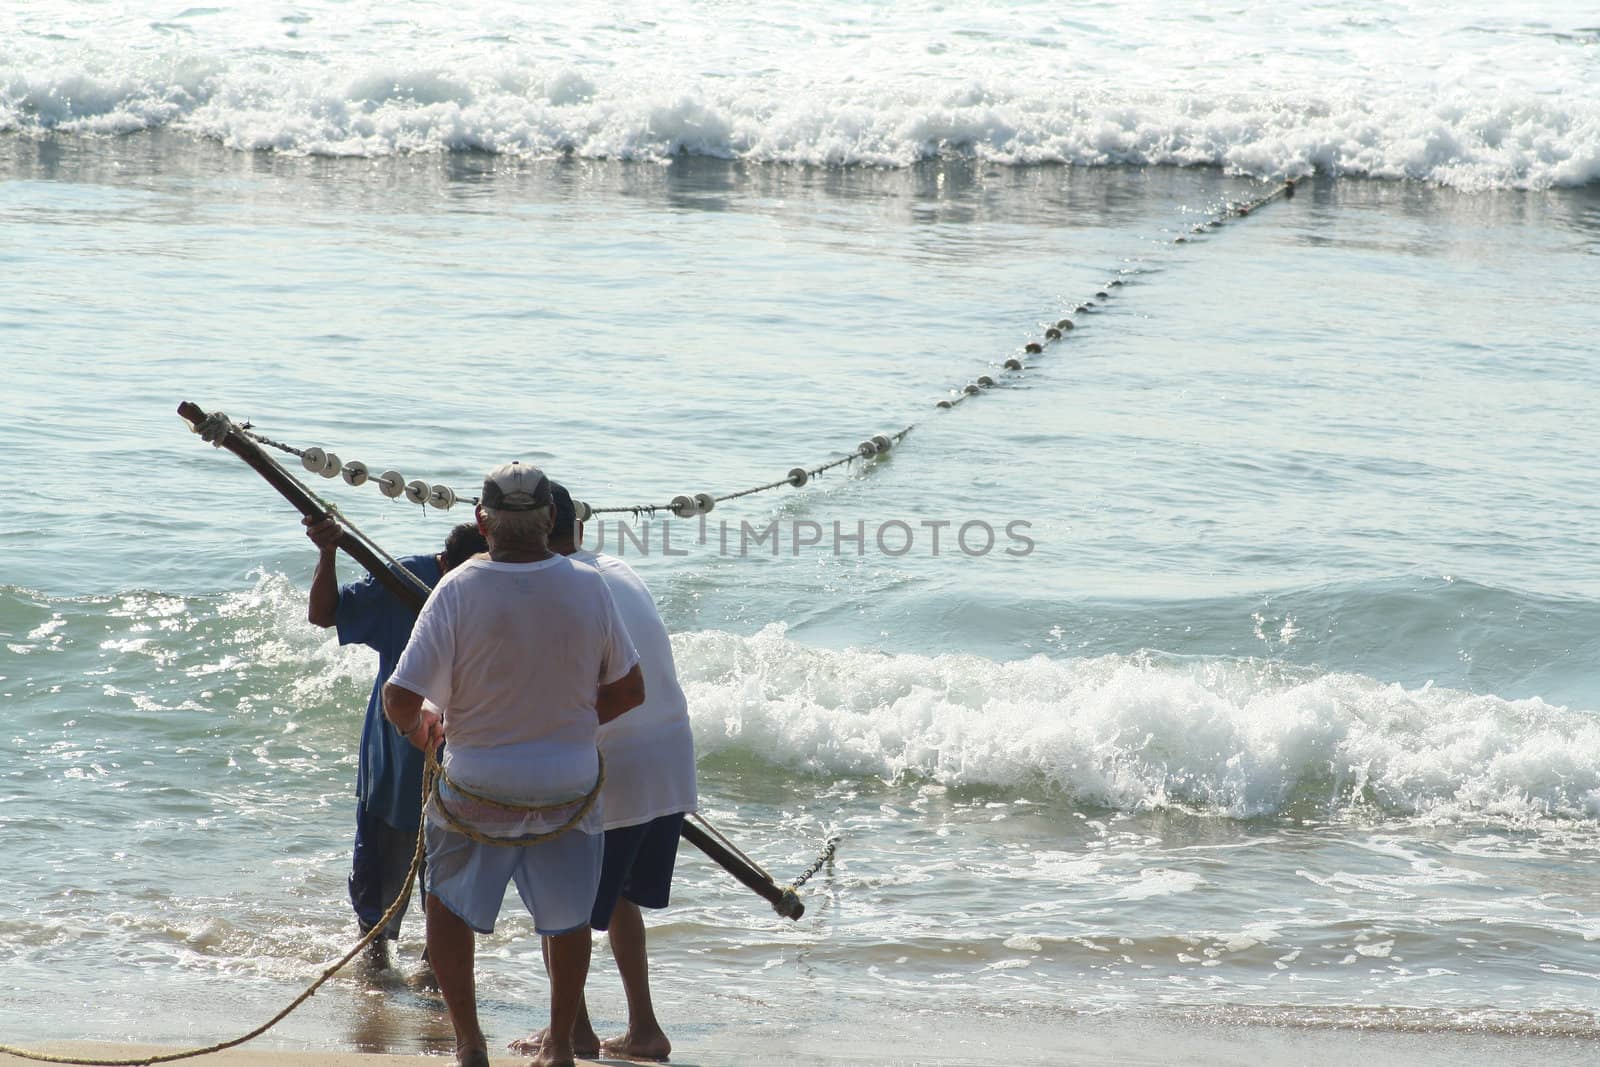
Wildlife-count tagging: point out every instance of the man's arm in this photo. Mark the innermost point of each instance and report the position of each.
(323, 606)
(421, 726)
(619, 696)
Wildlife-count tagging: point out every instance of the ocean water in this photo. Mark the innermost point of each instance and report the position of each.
(1271, 702)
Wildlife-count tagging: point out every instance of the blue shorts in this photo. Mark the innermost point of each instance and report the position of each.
(638, 865)
(378, 869)
(556, 879)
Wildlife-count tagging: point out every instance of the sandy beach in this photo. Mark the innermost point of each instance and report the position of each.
(990, 1043)
(1208, 676)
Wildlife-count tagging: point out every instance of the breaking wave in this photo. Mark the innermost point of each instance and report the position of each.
(1018, 87)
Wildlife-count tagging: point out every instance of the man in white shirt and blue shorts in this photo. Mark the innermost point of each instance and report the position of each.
(527, 655)
(650, 786)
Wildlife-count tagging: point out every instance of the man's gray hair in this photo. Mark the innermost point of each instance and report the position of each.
(518, 529)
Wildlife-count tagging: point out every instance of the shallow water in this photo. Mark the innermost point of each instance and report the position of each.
(1287, 715)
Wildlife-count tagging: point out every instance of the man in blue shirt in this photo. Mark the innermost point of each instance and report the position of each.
(389, 768)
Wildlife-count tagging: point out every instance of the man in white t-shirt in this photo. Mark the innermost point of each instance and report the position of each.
(527, 655)
(649, 787)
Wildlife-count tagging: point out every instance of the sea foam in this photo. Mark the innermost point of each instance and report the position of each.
(1469, 102)
(1237, 737)
(1241, 738)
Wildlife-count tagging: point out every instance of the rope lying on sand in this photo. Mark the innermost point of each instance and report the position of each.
(378, 930)
(432, 777)
(217, 429)
(221, 433)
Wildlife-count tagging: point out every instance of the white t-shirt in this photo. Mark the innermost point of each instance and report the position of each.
(514, 653)
(650, 750)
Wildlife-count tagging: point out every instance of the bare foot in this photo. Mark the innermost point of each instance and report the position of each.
(526, 1046)
(377, 959)
(585, 1045)
(641, 1046)
(551, 1056)
(424, 981)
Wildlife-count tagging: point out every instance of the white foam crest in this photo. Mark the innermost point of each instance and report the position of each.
(1238, 738)
(1477, 138)
(270, 622)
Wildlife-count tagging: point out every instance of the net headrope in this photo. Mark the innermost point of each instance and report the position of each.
(1015, 365)
(394, 485)
(216, 427)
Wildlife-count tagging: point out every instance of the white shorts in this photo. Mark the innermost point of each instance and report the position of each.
(556, 878)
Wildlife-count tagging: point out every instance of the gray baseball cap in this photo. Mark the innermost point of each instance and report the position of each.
(515, 486)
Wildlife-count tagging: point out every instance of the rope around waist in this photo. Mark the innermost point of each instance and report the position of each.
(435, 777)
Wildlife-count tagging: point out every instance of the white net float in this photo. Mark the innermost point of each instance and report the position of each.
(1013, 364)
(866, 450)
(583, 511)
(355, 473)
(312, 460)
(944, 404)
(683, 506)
(704, 502)
(331, 466)
(985, 381)
(417, 491)
(392, 483)
(442, 497)
(970, 388)
(798, 477)
(883, 441)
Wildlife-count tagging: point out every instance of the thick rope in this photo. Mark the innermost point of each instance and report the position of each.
(586, 804)
(432, 774)
(377, 931)
(797, 478)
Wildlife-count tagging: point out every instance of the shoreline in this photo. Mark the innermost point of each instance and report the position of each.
(985, 1042)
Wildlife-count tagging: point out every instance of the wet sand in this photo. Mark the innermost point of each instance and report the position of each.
(991, 1043)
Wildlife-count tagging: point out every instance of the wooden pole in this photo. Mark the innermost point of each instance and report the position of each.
(251, 453)
(783, 901)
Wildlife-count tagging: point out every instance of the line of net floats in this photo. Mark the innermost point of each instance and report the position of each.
(1062, 327)
(393, 484)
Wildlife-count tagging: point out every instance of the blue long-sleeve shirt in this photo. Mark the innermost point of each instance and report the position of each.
(389, 768)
